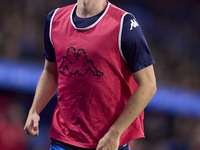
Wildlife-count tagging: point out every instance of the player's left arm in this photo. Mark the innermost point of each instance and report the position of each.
(140, 98)
(140, 61)
(136, 104)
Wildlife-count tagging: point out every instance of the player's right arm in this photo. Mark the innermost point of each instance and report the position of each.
(47, 84)
(46, 88)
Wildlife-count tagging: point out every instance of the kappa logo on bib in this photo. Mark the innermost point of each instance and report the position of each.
(78, 63)
(134, 24)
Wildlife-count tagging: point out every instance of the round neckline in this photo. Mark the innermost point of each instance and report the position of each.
(99, 14)
(92, 25)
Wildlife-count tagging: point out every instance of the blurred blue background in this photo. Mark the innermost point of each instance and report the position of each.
(171, 27)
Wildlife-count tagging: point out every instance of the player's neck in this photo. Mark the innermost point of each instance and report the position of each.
(89, 8)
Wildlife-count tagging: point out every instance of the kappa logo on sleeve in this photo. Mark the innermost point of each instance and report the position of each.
(134, 24)
(77, 63)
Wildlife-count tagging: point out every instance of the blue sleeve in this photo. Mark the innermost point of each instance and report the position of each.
(49, 52)
(134, 46)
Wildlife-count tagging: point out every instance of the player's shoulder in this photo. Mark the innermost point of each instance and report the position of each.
(130, 22)
(131, 18)
(50, 14)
